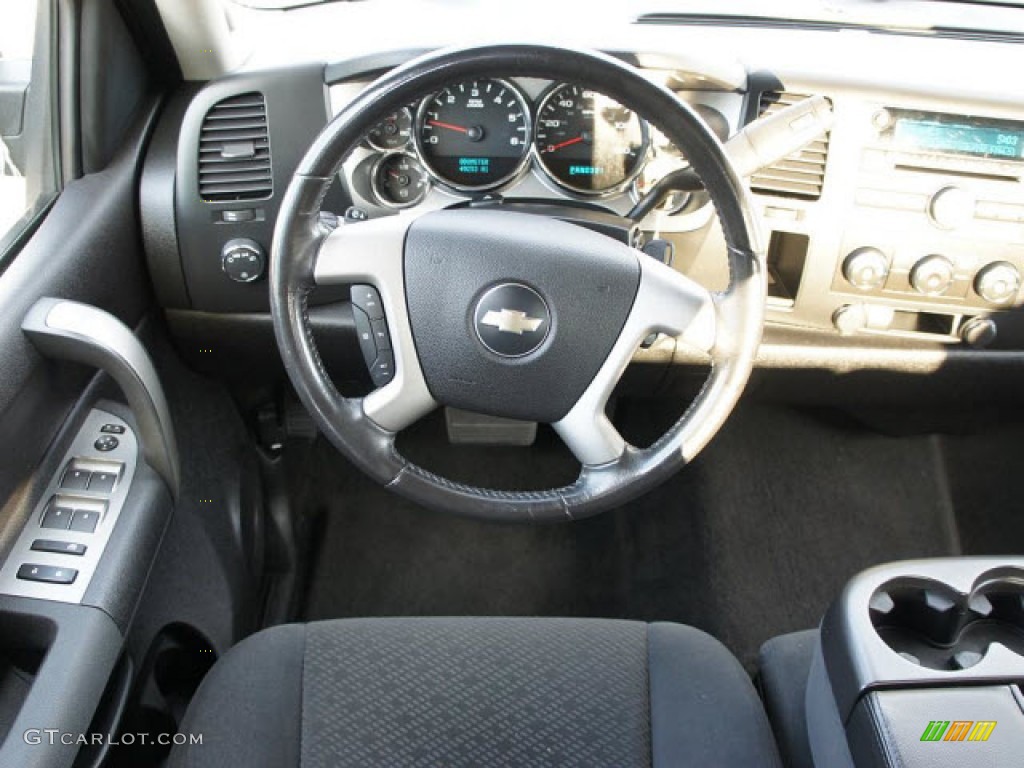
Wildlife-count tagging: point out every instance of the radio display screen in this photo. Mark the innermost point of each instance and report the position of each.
(995, 139)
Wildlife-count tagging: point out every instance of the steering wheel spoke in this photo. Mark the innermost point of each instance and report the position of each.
(666, 302)
(371, 253)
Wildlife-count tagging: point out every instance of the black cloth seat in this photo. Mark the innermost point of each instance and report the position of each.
(477, 692)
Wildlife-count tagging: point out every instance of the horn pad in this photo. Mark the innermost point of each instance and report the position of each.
(513, 314)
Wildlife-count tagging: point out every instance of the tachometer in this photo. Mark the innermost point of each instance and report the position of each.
(474, 135)
(588, 143)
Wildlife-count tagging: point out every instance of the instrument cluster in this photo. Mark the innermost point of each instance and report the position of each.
(478, 136)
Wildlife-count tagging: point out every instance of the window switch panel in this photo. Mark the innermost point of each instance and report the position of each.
(75, 479)
(54, 547)
(51, 574)
(103, 482)
(85, 520)
(56, 517)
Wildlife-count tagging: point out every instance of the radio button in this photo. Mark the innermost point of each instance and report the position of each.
(988, 209)
(998, 283)
(932, 275)
(866, 268)
(951, 207)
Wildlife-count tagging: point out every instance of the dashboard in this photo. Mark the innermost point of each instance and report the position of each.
(894, 242)
(524, 138)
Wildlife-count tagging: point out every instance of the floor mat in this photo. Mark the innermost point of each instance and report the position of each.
(754, 539)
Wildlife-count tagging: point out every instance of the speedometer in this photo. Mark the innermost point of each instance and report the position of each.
(474, 135)
(589, 143)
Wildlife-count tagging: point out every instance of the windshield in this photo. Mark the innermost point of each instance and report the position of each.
(996, 17)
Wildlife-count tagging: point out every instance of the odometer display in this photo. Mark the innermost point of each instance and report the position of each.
(474, 135)
(587, 142)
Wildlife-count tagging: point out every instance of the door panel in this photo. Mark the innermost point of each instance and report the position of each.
(87, 249)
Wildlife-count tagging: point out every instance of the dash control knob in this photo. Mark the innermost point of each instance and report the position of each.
(243, 260)
(866, 268)
(932, 275)
(951, 207)
(998, 283)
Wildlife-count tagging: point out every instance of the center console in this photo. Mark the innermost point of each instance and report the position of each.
(920, 663)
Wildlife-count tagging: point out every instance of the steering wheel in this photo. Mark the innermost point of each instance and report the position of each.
(514, 314)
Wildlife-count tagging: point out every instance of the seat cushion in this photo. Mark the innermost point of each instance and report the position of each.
(475, 692)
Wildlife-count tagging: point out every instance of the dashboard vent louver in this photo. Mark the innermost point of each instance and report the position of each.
(800, 175)
(234, 150)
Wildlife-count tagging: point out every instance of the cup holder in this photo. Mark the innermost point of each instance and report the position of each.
(937, 627)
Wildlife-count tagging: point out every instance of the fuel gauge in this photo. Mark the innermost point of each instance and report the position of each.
(399, 181)
(393, 132)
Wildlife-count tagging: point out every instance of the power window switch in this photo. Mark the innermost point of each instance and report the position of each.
(85, 520)
(54, 547)
(75, 479)
(102, 482)
(58, 518)
(50, 574)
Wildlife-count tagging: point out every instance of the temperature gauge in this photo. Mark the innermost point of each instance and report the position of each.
(399, 181)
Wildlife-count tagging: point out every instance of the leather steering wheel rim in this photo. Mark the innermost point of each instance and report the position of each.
(738, 311)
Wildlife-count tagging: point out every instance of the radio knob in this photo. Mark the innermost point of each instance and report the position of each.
(866, 268)
(978, 332)
(850, 319)
(951, 207)
(932, 275)
(998, 283)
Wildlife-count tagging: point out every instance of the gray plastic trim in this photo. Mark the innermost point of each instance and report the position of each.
(666, 302)
(82, 451)
(72, 331)
(373, 252)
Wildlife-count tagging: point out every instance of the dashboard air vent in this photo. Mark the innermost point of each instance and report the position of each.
(234, 150)
(800, 175)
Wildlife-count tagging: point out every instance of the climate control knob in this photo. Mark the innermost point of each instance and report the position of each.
(998, 283)
(866, 268)
(932, 275)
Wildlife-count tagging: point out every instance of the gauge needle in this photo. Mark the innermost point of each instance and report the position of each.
(449, 126)
(568, 143)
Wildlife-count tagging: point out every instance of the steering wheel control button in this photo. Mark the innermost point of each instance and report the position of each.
(75, 479)
(998, 283)
(103, 482)
(112, 429)
(49, 574)
(932, 275)
(381, 337)
(364, 330)
(85, 520)
(106, 443)
(243, 260)
(512, 320)
(383, 369)
(367, 299)
(866, 269)
(57, 517)
(54, 547)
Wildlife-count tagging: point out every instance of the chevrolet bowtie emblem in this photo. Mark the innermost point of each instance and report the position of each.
(511, 321)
